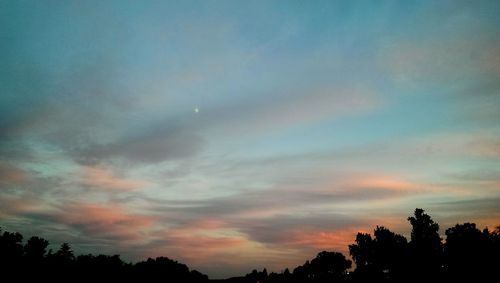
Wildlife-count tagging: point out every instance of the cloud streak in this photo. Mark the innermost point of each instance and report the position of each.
(111, 222)
(10, 175)
(95, 177)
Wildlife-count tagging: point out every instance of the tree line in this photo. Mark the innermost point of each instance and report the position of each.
(467, 253)
(32, 261)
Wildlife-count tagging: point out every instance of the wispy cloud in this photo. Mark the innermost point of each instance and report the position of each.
(108, 221)
(101, 178)
(10, 175)
(291, 106)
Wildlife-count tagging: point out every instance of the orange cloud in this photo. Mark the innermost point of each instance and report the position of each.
(96, 177)
(369, 185)
(384, 182)
(325, 240)
(106, 221)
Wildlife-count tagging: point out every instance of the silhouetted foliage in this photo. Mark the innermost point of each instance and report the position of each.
(35, 249)
(12, 248)
(329, 266)
(493, 256)
(64, 254)
(163, 267)
(362, 251)
(383, 257)
(467, 254)
(466, 250)
(426, 253)
(33, 262)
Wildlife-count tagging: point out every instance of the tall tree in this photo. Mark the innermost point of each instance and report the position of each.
(11, 248)
(466, 250)
(362, 252)
(64, 255)
(425, 246)
(383, 256)
(329, 266)
(390, 252)
(35, 249)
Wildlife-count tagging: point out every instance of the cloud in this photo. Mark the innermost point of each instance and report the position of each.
(93, 221)
(440, 58)
(97, 177)
(385, 183)
(483, 211)
(325, 191)
(10, 175)
(12, 206)
(192, 244)
(285, 229)
(268, 202)
(338, 240)
(104, 221)
(304, 135)
(407, 152)
(291, 106)
(276, 217)
(478, 204)
(480, 144)
(490, 58)
(159, 144)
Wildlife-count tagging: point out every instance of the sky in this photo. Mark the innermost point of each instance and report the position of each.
(233, 135)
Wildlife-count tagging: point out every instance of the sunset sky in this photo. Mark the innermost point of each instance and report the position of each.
(233, 135)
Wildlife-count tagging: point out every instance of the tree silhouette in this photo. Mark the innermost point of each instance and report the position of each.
(302, 272)
(467, 254)
(363, 254)
(163, 267)
(425, 246)
(493, 257)
(107, 267)
(381, 257)
(390, 252)
(328, 266)
(34, 254)
(466, 250)
(32, 262)
(11, 248)
(35, 249)
(65, 254)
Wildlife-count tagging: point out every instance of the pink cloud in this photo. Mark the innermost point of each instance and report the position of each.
(13, 206)
(389, 183)
(194, 244)
(324, 240)
(208, 224)
(208, 243)
(96, 177)
(357, 181)
(10, 175)
(106, 221)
